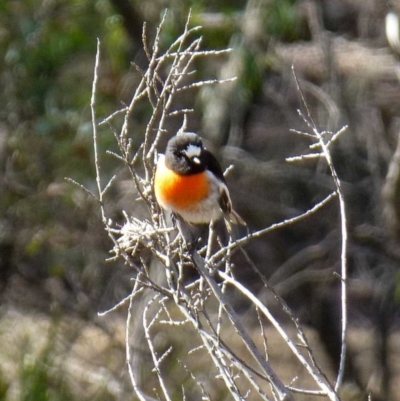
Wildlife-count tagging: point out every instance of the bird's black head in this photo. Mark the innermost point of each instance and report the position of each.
(184, 154)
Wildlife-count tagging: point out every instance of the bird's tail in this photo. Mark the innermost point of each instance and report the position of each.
(234, 218)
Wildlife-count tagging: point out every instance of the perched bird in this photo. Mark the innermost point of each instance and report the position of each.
(190, 183)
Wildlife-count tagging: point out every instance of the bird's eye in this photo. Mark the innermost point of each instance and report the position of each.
(179, 154)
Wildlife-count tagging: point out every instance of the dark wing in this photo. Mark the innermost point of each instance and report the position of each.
(225, 202)
(212, 164)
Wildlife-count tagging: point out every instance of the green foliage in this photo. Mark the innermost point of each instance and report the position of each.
(49, 48)
(251, 76)
(282, 20)
(40, 377)
(4, 386)
(38, 384)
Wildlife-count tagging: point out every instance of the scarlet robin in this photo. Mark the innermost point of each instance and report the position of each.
(190, 183)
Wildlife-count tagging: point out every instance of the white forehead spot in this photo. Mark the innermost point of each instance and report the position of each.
(193, 151)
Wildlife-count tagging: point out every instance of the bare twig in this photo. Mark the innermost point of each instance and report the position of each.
(94, 126)
(325, 150)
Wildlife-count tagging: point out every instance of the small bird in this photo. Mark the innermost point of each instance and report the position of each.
(190, 183)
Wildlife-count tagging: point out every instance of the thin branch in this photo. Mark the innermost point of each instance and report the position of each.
(203, 83)
(304, 157)
(156, 360)
(120, 303)
(205, 53)
(343, 220)
(88, 191)
(244, 240)
(94, 126)
(111, 116)
(128, 348)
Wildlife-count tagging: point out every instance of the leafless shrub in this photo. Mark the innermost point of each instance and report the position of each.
(204, 328)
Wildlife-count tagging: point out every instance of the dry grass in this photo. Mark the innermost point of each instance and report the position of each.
(90, 359)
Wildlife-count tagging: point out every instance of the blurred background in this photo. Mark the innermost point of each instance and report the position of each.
(53, 274)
